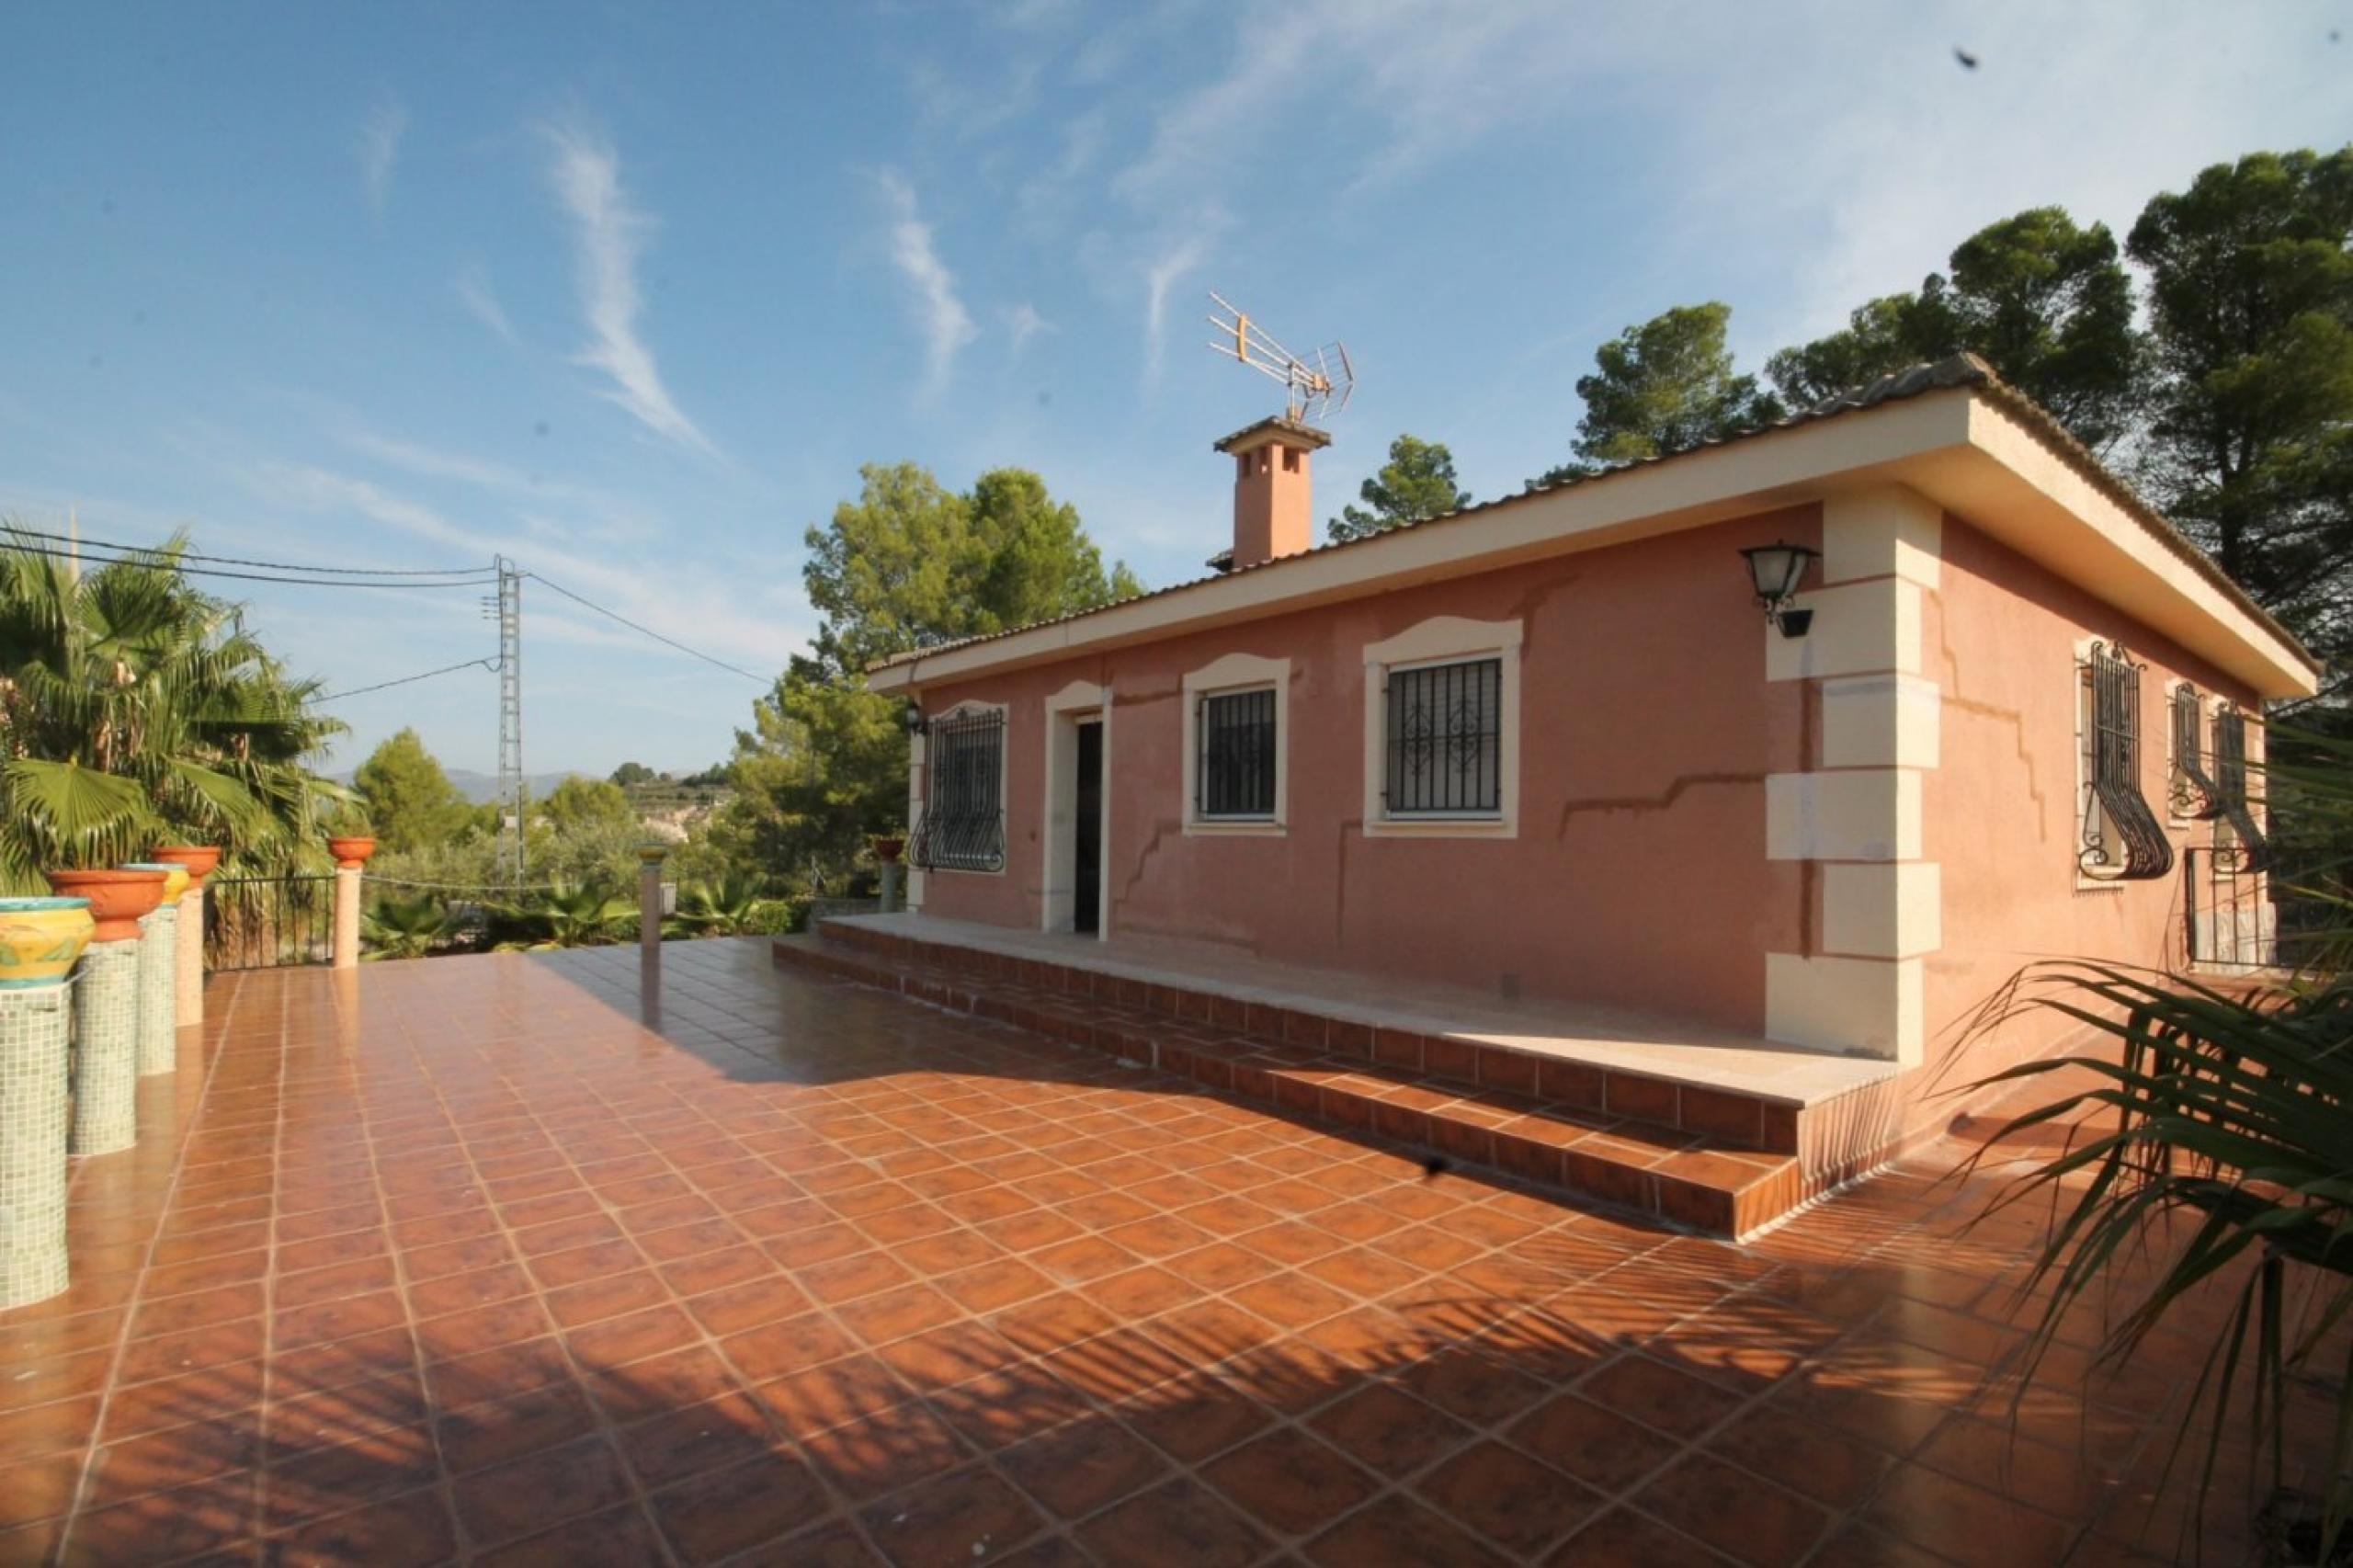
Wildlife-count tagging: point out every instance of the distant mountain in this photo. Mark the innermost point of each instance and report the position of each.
(481, 787)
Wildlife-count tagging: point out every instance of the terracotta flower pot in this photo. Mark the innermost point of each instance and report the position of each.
(175, 876)
(118, 898)
(888, 849)
(351, 852)
(197, 859)
(41, 937)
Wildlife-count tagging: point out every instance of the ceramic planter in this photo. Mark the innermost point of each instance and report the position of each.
(888, 849)
(198, 860)
(40, 940)
(116, 898)
(350, 851)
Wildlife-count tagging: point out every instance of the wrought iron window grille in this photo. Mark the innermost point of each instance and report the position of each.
(2122, 839)
(1233, 731)
(2194, 794)
(962, 827)
(1445, 739)
(2247, 849)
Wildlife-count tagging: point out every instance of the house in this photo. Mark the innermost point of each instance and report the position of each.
(1543, 759)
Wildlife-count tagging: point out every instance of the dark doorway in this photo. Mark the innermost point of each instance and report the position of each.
(1087, 898)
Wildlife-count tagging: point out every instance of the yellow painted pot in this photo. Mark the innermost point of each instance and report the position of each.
(175, 876)
(41, 937)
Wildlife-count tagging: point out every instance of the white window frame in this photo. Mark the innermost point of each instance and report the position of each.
(1443, 639)
(1221, 676)
(1004, 778)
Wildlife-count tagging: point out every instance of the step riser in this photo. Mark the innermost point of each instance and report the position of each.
(1721, 1211)
(1742, 1119)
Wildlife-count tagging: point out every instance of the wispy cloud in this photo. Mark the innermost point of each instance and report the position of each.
(1024, 323)
(946, 324)
(481, 301)
(379, 150)
(610, 233)
(304, 487)
(1162, 275)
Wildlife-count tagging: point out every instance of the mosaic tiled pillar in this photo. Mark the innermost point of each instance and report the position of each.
(159, 979)
(105, 1050)
(190, 989)
(200, 861)
(35, 1029)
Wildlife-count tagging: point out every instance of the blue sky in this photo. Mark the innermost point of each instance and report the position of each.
(629, 292)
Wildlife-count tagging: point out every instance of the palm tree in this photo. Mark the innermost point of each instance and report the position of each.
(568, 914)
(731, 907)
(2213, 1153)
(133, 708)
(405, 928)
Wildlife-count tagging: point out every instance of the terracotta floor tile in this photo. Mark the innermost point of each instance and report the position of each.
(1398, 1532)
(1660, 1397)
(895, 1315)
(1591, 1442)
(1624, 1538)
(598, 1300)
(647, 1387)
(1083, 1466)
(1290, 1482)
(621, 1537)
(1808, 1459)
(893, 1448)
(524, 1495)
(494, 1431)
(409, 1532)
(792, 1345)
(46, 1428)
(1389, 1430)
(1507, 1498)
(616, 1342)
(681, 1442)
(1182, 1522)
(725, 1511)
(1754, 1523)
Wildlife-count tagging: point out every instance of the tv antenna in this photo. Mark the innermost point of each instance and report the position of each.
(1315, 386)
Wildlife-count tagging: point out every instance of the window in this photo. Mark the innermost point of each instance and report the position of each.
(1235, 733)
(1441, 730)
(2121, 838)
(1445, 739)
(2192, 795)
(963, 821)
(1237, 740)
(2238, 832)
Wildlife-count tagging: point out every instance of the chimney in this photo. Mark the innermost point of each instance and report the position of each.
(1273, 507)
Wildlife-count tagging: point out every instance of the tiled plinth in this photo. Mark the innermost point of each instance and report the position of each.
(1696, 1154)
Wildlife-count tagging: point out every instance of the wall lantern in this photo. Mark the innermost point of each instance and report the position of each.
(1775, 569)
(911, 717)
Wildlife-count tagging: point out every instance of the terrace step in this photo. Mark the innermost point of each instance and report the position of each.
(1546, 1122)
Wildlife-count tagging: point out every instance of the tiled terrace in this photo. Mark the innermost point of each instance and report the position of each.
(486, 1259)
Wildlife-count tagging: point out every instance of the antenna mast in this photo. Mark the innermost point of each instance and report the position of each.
(509, 612)
(1314, 387)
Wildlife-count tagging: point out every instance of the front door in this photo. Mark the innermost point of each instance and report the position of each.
(1086, 865)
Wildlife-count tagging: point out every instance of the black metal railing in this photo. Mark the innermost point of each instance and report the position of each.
(2282, 914)
(1445, 739)
(1235, 736)
(2248, 842)
(2122, 840)
(963, 820)
(2194, 792)
(269, 922)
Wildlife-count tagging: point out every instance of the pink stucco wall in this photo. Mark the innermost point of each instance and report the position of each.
(1638, 876)
(2000, 814)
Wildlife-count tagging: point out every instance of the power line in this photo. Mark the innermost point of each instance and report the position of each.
(647, 631)
(76, 555)
(404, 680)
(266, 565)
